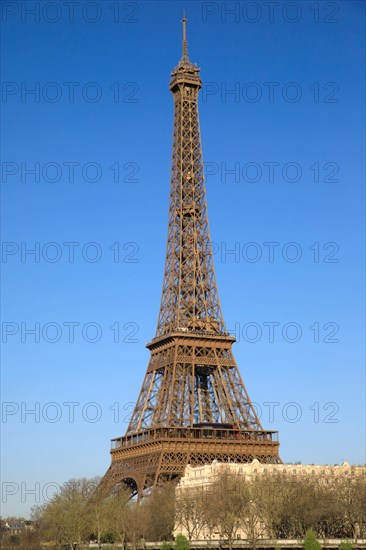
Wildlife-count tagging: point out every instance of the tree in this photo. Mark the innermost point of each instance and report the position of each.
(270, 503)
(352, 500)
(310, 541)
(114, 513)
(181, 543)
(136, 523)
(160, 511)
(190, 511)
(359, 491)
(2, 528)
(254, 516)
(66, 517)
(286, 505)
(230, 504)
(209, 519)
(15, 540)
(300, 497)
(346, 545)
(98, 513)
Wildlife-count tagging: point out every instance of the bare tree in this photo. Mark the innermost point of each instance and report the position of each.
(160, 512)
(190, 511)
(230, 504)
(114, 513)
(66, 518)
(136, 521)
(254, 521)
(351, 491)
(209, 517)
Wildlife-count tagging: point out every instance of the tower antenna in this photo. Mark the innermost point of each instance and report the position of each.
(184, 42)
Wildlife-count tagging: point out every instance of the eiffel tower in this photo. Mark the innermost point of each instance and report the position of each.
(193, 407)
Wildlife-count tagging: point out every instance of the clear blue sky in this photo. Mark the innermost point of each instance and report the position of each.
(293, 131)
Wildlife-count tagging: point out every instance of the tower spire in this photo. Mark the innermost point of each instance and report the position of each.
(184, 42)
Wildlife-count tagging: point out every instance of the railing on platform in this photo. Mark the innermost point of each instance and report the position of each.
(195, 434)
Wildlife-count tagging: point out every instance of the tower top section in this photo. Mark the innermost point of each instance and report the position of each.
(185, 72)
(190, 302)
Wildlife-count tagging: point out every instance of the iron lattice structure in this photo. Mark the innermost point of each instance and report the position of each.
(193, 406)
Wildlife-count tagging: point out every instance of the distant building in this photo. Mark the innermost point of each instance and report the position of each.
(17, 526)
